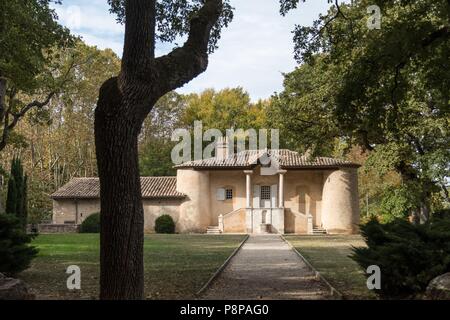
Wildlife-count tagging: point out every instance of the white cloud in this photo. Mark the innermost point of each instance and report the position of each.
(253, 52)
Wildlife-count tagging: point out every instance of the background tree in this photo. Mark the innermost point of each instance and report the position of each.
(123, 104)
(224, 109)
(16, 201)
(155, 143)
(29, 36)
(220, 109)
(385, 90)
(56, 142)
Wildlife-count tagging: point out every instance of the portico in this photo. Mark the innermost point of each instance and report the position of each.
(264, 214)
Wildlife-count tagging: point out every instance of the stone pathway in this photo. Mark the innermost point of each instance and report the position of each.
(266, 268)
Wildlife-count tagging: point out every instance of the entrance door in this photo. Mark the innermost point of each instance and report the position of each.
(265, 197)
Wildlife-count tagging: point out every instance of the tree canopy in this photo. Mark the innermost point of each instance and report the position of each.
(173, 18)
(29, 32)
(31, 68)
(385, 90)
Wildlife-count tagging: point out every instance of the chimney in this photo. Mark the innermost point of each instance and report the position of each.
(222, 148)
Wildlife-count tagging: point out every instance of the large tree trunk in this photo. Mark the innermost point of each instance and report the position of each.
(124, 102)
(122, 218)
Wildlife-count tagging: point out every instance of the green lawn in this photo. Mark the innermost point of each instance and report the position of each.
(176, 266)
(329, 255)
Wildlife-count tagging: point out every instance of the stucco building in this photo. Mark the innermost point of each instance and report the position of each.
(257, 191)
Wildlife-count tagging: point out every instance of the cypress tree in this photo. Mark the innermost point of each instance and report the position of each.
(16, 200)
(24, 208)
(11, 197)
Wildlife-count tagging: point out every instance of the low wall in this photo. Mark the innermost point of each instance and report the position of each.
(234, 222)
(56, 228)
(295, 222)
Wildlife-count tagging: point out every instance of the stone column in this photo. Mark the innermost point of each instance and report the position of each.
(281, 188)
(248, 188)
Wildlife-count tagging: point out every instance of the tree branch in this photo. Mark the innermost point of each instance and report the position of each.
(7, 126)
(139, 45)
(184, 64)
(2, 96)
(6, 113)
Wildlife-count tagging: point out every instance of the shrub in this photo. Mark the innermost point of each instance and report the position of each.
(409, 255)
(91, 224)
(164, 224)
(15, 251)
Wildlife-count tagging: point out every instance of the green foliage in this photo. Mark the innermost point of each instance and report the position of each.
(409, 255)
(224, 109)
(15, 251)
(385, 90)
(303, 111)
(16, 201)
(173, 16)
(68, 118)
(29, 32)
(155, 159)
(397, 202)
(155, 142)
(91, 224)
(164, 224)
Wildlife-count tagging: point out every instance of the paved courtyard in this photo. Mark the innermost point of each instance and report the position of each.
(266, 268)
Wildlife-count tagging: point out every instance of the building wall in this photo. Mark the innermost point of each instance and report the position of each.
(195, 210)
(341, 201)
(303, 196)
(234, 179)
(64, 210)
(295, 222)
(155, 208)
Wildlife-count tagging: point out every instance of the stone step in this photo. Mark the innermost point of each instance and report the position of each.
(213, 230)
(319, 231)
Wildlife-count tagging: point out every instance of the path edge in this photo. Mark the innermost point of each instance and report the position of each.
(333, 291)
(221, 268)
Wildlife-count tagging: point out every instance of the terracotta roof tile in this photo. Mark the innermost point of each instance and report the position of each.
(286, 158)
(89, 188)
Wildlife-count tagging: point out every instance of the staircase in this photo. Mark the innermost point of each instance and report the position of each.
(213, 230)
(319, 231)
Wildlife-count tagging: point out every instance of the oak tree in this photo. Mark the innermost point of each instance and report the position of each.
(123, 104)
(384, 89)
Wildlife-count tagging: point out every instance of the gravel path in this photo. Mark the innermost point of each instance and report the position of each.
(266, 268)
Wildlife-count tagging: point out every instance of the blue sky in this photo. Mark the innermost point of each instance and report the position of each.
(253, 53)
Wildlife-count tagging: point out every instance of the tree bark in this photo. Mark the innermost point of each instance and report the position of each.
(2, 96)
(122, 219)
(124, 102)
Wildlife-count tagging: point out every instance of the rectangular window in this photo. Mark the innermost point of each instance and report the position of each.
(265, 192)
(229, 194)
